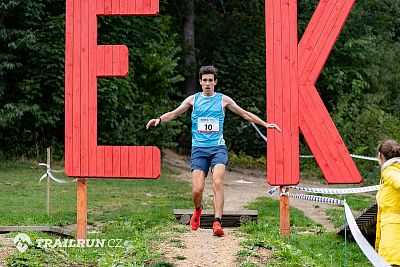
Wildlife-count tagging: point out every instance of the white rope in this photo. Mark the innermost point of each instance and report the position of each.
(49, 174)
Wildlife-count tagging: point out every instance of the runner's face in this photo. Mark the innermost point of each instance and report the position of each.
(208, 83)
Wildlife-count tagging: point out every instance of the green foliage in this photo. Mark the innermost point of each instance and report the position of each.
(359, 83)
(243, 160)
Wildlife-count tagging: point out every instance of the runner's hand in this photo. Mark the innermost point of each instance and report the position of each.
(273, 125)
(153, 122)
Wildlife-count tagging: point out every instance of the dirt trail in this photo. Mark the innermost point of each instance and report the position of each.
(241, 186)
(6, 248)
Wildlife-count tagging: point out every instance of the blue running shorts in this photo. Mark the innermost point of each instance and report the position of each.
(203, 158)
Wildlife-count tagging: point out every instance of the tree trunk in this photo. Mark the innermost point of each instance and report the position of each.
(189, 59)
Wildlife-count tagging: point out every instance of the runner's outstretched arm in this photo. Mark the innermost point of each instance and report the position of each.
(232, 106)
(184, 106)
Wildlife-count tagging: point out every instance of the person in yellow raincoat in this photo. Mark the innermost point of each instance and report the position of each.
(388, 198)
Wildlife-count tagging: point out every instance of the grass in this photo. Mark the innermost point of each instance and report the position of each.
(135, 210)
(308, 244)
(140, 211)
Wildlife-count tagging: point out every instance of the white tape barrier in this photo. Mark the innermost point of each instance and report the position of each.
(311, 156)
(258, 131)
(319, 199)
(331, 191)
(49, 174)
(368, 250)
(338, 191)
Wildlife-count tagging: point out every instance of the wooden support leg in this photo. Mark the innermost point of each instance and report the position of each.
(81, 216)
(48, 183)
(284, 212)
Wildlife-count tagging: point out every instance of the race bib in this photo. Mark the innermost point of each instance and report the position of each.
(207, 125)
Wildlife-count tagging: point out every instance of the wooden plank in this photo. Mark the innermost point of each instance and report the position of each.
(100, 7)
(116, 68)
(278, 146)
(313, 31)
(81, 216)
(156, 162)
(316, 119)
(84, 37)
(49, 229)
(108, 60)
(139, 7)
(116, 161)
(132, 161)
(131, 7)
(76, 97)
(270, 59)
(115, 7)
(211, 212)
(147, 6)
(366, 221)
(100, 166)
(286, 95)
(294, 94)
(124, 161)
(107, 7)
(108, 161)
(140, 162)
(148, 162)
(284, 214)
(100, 61)
(124, 61)
(123, 7)
(333, 29)
(155, 7)
(334, 141)
(313, 144)
(310, 30)
(229, 218)
(92, 89)
(69, 52)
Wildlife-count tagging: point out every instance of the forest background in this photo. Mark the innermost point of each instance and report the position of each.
(359, 83)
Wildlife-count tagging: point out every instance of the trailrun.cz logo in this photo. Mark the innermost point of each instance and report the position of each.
(23, 241)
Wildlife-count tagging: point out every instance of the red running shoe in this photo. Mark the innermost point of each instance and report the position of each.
(217, 229)
(195, 220)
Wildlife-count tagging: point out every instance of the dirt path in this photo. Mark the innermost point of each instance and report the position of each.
(241, 186)
(6, 248)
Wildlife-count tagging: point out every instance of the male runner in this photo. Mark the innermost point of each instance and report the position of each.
(208, 145)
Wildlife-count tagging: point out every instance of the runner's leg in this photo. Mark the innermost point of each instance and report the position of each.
(218, 187)
(198, 177)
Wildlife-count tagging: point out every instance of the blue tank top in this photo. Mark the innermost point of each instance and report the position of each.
(207, 120)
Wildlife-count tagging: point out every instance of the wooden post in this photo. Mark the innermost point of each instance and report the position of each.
(81, 216)
(48, 183)
(284, 212)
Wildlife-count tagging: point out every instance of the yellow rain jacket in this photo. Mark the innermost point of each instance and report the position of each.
(388, 220)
